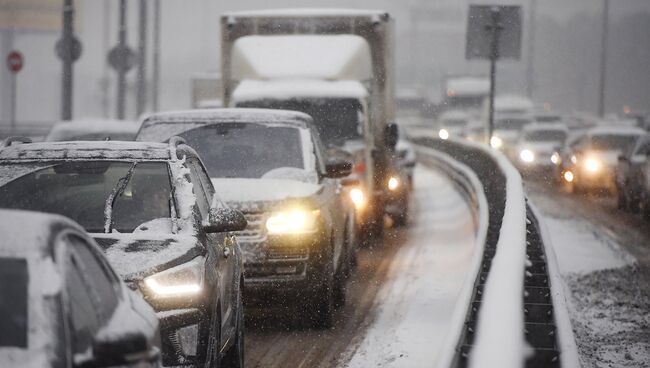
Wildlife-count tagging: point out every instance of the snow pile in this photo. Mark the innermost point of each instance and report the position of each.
(301, 56)
(500, 333)
(251, 90)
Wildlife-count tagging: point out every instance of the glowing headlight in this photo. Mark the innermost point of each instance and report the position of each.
(358, 198)
(592, 164)
(527, 156)
(496, 142)
(568, 176)
(555, 158)
(186, 279)
(443, 134)
(574, 159)
(393, 183)
(292, 222)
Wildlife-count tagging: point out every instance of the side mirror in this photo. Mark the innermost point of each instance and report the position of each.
(391, 135)
(118, 350)
(336, 168)
(225, 219)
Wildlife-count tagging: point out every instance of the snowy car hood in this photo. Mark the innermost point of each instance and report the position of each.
(136, 255)
(257, 190)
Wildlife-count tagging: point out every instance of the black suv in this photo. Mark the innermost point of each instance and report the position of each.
(270, 164)
(154, 211)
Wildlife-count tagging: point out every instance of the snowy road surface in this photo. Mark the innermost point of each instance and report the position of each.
(399, 301)
(604, 259)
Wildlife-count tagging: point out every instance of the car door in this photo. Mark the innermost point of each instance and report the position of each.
(222, 245)
(91, 294)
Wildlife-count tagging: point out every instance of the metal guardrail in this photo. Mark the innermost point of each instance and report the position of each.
(537, 317)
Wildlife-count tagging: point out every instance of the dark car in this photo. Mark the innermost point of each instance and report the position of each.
(61, 303)
(629, 175)
(154, 211)
(271, 165)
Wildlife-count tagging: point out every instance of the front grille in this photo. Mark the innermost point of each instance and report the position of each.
(255, 228)
(288, 252)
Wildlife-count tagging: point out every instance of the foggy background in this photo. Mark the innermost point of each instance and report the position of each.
(430, 44)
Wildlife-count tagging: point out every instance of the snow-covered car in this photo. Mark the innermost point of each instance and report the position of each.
(62, 304)
(593, 157)
(153, 210)
(93, 130)
(629, 175)
(535, 148)
(271, 165)
(506, 132)
(452, 123)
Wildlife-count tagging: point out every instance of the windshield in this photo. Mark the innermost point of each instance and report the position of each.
(511, 124)
(80, 190)
(241, 150)
(13, 302)
(337, 120)
(546, 136)
(612, 142)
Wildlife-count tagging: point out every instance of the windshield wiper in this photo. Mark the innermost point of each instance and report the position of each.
(116, 192)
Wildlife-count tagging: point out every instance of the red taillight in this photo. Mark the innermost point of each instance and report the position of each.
(359, 167)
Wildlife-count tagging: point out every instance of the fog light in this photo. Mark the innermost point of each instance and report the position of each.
(527, 156)
(496, 142)
(592, 165)
(443, 134)
(568, 176)
(555, 158)
(393, 183)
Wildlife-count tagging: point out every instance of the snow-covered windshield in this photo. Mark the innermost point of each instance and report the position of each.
(511, 124)
(13, 302)
(241, 150)
(612, 142)
(80, 190)
(545, 136)
(337, 119)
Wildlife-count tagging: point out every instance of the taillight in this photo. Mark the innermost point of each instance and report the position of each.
(359, 167)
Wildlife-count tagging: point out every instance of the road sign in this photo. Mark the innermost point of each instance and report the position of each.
(480, 34)
(121, 58)
(70, 51)
(15, 61)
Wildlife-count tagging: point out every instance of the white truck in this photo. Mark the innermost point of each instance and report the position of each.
(337, 66)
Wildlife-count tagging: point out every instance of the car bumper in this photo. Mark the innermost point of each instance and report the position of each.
(179, 332)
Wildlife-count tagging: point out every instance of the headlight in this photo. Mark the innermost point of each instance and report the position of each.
(496, 142)
(186, 279)
(592, 165)
(443, 134)
(393, 183)
(555, 158)
(358, 198)
(568, 176)
(574, 159)
(292, 222)
(527, 156)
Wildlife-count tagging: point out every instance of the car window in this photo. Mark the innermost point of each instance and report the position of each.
(92, 291)
(13, 302)
(80, 190)
(202, 199)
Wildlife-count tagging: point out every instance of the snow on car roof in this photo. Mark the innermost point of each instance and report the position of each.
(513, 102)
(250, 90)
(85, 150)
(160, 127)
(305, 12)
(545, 127)
(616, 130)
(463, 86)
(36, 229)
(454, 115)
(66, 129)
(335, 57)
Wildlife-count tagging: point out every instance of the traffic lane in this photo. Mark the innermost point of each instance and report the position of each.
(276, 335)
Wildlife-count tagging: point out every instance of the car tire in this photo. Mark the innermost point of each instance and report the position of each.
(235, 355)
(323, 303)
(622, 202)
(211, 358)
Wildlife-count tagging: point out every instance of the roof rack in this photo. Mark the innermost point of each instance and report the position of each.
(15, 139)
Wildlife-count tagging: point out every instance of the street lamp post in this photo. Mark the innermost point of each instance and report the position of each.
(603, 59)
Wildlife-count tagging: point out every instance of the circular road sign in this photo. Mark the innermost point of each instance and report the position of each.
(121, 58)
(15, 61)
(68, 51)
